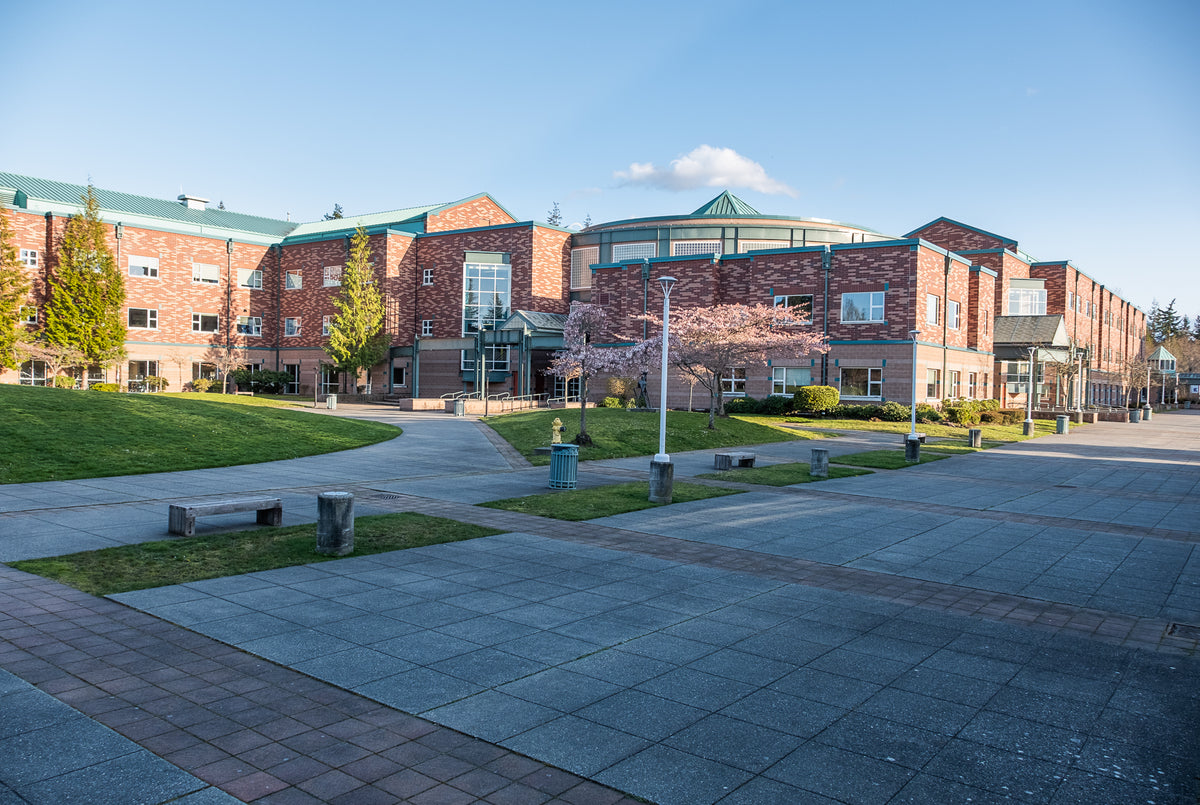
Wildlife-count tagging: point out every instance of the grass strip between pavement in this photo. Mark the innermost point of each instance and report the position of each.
(780, 474)
(602, 501)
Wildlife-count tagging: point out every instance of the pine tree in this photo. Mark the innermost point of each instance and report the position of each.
(14, 290)
(1164, 323)
(554, 217)
(335, 215)
(86, 290)
(221, 204)
(356, 337)
(587, 221)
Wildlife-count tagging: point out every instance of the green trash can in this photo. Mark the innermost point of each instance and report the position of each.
(1062, 424)
(460, 407)
(564, 466)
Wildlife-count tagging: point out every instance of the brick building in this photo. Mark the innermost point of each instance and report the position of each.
(208, 287)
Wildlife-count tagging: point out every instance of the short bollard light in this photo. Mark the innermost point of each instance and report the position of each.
(335, 523)
(975, 437)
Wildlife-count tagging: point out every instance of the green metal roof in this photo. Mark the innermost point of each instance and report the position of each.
(61, 194)
(725, 205)
(393, 219)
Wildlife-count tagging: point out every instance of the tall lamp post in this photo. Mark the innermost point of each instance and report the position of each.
(1027, 429)
(1147, 411)
(662, 471)
(912, 442)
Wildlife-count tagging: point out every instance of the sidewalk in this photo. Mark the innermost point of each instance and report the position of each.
(1006, 624)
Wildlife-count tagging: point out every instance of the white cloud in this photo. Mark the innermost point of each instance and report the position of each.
(705, 166)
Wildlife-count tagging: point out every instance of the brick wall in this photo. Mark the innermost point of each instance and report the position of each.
(956, 238)
(481, 211)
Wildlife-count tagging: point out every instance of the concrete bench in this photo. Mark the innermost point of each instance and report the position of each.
(728, 461)
(182, 518)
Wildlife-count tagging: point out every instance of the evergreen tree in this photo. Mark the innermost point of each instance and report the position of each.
(356, 337)
(221, 204)
(1164, 322)
(86, 290)
(554, 217)
(335, 215)
(14, 289)
(587, 221)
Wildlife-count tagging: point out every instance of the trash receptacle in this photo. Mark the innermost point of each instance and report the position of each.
(331, 402)
(1135, 414)
(460, 407)
(1062, 424)
(564, 466)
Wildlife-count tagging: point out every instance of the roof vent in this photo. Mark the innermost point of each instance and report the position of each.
(193, 202)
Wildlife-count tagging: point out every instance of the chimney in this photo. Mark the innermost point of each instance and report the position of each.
(193, 202)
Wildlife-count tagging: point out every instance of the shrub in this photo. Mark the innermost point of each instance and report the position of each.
(105, 387)
(927, 413)
(775, 405)
(264, 381)
(815, 398)
(64, 382)
(741, 405)
(156, 383)
(201, 384)
(611, 402)
(894, 412)
(855, 411)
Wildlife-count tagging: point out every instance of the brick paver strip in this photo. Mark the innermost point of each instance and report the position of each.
(259, 731)
(1110, 627)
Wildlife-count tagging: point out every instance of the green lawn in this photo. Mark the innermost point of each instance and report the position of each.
(602, 501)
(993, 433)
(885, 459)
(780, 474)
(617, 433)
(53, 434)
(176, 561)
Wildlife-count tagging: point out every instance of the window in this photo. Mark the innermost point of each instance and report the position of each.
(759, 245)
(1027, 302)
(1070, 301)
(332, 276)
(932, 309)
(141, 318)
(495, 359)
(684, 248)
(204, 371)
(33, 373)
(29, 257)
(566, 389)
(734, 383)
(787, 379)
(291, 327)
(633, 251)
(427, 276)
(952, 314)
(326, 324)
(330, 380)
(955, 384)
(862, 306)
(205, 322)
(800, 305)
(972, 389)
(864, 382)
(206, 274)
(143, 266)
(28, 314)
(293, 281)
(426, 328)
(487, 294)
(250, 278)
(933, 383)
(1016, 375)
(398, 376)
(140, 370)
(581, 261)
(249, 325)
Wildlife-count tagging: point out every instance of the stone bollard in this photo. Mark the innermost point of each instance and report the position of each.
(335, 523)
(1062, 424)
(819, 465)
(975, 437)
(912, 449)
(1027, 428)
(662, 481)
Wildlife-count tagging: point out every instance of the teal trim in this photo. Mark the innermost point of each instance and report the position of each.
(886, 287)
(513, 225)
(883, 363)
(984, 270)
(341, 234)
(906, 342)
(683, 219)
(944, 219)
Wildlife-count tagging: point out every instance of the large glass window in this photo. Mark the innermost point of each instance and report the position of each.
(684, 248)
(800, 305)
(862, 382)
(293, 384)
(761, 245)
(734, 383)
(487, 294)
(633, 251)
(788, 379)
(1027, 302)
(581, 262)
(862, 306)
(33, 373)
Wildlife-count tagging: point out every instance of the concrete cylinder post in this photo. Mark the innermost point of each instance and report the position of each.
(975, 437)
(662, 481)
(335, 523)
(1027, 427)
(912, 449)
(819, 465)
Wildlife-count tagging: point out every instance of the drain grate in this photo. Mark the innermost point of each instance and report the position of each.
(1183, 630)
(1065, 486)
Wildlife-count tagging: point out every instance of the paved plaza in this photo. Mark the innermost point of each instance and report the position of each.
(1016, 625)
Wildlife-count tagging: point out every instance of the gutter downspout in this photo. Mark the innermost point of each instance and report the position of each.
(645, 291)
(826, 268)
(946, 328)
(228, 308)
(279, 276)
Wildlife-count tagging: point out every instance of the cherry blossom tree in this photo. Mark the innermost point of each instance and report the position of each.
(705, 344)
(589, 347)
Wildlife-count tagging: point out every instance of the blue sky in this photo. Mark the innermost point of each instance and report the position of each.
(1070, 126)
